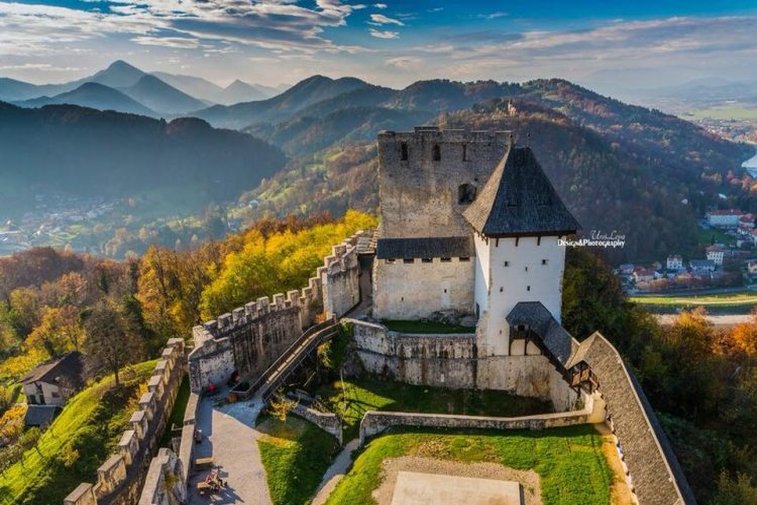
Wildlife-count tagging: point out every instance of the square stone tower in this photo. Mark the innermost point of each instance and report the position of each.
(427, 178)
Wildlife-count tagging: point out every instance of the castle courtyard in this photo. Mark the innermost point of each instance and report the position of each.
(413, 488)
(229, 437)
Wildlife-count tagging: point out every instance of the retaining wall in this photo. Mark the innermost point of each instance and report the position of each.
(328, 422)
(374, 422)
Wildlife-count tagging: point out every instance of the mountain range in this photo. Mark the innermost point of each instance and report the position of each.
(619, 167)
(157, 94)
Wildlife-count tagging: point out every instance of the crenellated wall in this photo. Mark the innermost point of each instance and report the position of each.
(250, 338)
(120, 478)
(164, 484)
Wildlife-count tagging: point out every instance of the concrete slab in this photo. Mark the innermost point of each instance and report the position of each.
(415, 488)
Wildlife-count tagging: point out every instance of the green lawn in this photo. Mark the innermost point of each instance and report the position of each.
(368, 393)
(425, 327)
(295, 455)
(708, 236)
(725, 111)
(728, 299)
(177, 414)
(568, 460)
(76, 444)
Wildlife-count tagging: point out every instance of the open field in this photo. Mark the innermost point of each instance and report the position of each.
(77, 442)
(368, 393)
(742, 302)
(726, 111)
(569, 461)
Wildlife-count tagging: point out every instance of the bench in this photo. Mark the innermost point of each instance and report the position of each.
(204, 462)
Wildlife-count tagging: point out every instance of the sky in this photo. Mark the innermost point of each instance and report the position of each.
(607, 45)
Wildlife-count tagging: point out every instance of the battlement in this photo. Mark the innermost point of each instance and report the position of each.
(120, 477)
(232, 341)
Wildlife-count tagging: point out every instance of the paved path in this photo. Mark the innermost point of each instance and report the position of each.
(335, 472)
(229, 435)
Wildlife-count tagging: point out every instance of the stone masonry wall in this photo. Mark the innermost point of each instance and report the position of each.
(375, 422)
(250, 338)
(164, 484)
(328, 422)
(419, 195)
(120, 478)
(450, 360)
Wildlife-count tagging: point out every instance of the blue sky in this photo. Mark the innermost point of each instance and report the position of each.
(608, 45)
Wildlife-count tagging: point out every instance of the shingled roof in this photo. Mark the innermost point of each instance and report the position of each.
(536, 316)
(427, 247)
(518, 200)
(69, 367)
(656, 473)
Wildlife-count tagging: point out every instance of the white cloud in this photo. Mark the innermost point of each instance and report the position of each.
(380, 19)
(380, 6)
(384, 34)
(175, 42)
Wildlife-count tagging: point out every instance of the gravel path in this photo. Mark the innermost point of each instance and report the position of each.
(334, 474)
(529, 480)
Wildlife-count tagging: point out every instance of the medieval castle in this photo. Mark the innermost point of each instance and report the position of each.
(469, 232)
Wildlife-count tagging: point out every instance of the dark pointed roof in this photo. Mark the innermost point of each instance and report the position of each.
(518, 199)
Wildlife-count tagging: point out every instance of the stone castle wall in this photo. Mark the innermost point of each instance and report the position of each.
(416, 290)
(419, 195)
(450, 360)
(250, 338)
(375, 422)
(120, 478)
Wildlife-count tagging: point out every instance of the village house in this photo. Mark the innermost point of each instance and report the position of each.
(643, 275)
(674, 262)
(715, 253)
(702, 266)
(49, 385)
(746, 223)
(726, 218)
(751, 267)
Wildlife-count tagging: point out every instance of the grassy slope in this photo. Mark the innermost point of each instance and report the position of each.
(568, 460)
(295, 455)
(78, 441)
(367, 393)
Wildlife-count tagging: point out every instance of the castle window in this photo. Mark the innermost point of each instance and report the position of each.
(526, 269)
(403, 151)
(538, 240)
(427, 260)
(464, 258)
(517, 239)
(408, 260)
(446, 260)
(528, 288)
(543, 262)
(507, 263)
(466, 193)
(445, 290)
(390, 260)
(465, 152)
(436, 153)
(501, 289)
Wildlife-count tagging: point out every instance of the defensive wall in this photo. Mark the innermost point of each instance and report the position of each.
(120, 478)
(374, 422)
(451, 361)
(250, 338)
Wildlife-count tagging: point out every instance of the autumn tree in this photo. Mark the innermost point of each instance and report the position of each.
(112, 341)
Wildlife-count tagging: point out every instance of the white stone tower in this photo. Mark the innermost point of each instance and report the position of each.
(517, 221)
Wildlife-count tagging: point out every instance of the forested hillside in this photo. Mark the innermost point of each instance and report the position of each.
(85, 152)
